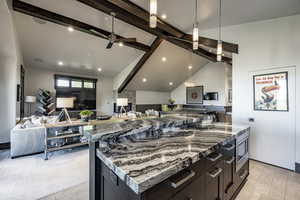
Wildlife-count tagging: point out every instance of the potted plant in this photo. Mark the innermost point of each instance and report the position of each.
(171, 101)
(85, 115)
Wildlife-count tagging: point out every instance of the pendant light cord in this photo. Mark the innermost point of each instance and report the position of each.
(196, 12)
(220, 18)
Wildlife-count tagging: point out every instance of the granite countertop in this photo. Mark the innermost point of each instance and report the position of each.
(145, 152)
(97, 132)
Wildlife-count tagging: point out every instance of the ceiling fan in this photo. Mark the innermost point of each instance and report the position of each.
(112, 38)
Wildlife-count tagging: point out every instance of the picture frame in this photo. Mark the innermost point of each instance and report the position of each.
(194, 95)
(270, 92)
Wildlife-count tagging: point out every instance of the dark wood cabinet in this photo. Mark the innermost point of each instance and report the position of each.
(211, 178)
(214, 183)
(229, 183)
(194, 191)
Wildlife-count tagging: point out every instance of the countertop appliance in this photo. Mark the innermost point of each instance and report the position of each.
(242, 149)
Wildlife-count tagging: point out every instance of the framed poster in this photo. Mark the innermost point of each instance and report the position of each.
(194, 95)
(271, 92)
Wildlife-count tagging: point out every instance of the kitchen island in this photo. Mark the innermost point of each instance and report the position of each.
(178, 157)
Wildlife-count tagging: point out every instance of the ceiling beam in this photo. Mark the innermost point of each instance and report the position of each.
(135, 19)
(162, 26)
(140, 64)
(34, 11)
(229, 47)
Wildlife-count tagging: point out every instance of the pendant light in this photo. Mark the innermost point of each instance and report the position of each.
(196, 29)
(220, 45)
(153, 13)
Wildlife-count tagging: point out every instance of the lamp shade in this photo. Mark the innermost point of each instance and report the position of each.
(65, 102)
(122, 102)
(30, 99)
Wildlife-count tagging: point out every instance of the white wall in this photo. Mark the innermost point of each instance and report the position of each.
(10, 59)
(118, 80)
(152, 97)
(214, 79)
(264, 44)
(36, 78)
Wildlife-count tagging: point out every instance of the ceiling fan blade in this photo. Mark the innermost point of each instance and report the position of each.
(110, 44)
(126, 40)
(99, 34)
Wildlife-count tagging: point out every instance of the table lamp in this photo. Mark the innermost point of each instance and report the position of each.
(122, 102)
(30, 100)
(65, 103)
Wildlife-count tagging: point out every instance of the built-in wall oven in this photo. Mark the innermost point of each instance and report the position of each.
(242, 149)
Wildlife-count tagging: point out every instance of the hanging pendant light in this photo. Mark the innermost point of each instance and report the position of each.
(196, 29)
(220, 45)
(153, 13)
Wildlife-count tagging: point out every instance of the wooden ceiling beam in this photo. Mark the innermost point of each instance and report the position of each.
(46, 15)
(162, 26)
(140, 64)
(134, 15)
(229, 47)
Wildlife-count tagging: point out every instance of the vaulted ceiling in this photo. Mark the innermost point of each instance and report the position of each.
(180, 13)
(44, 44)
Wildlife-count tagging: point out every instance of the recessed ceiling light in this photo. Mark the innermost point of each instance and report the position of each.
(223, 54)
(99, 69)
(190, 67)
(164, 59)
(60, 63)
(70, 29)
(171, 83)
(144, 80)
(121, 44)
(164, 16)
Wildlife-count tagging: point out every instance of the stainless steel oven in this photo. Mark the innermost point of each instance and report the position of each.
(242, 149)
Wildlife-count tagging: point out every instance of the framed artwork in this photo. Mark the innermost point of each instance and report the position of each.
(194, 95)
(271, 92)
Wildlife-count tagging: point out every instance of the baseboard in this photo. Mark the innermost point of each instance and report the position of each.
(297, 167)
(4, 146)
(272, 164)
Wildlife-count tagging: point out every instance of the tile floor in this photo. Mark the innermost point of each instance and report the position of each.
(65, 177)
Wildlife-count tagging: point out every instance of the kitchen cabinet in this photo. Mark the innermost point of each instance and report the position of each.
(194, 191)
(229, 173)
(214, 183)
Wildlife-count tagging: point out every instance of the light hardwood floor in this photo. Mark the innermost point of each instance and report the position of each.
(264, 183)
(267, 182)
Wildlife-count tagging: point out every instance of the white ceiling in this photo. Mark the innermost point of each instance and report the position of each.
(159, 74)
(84, 53)
(180, 13)
(81, 53)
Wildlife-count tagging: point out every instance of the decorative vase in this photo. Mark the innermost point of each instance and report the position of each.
(85, 118)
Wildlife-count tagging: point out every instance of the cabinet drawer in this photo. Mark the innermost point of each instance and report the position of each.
(177, 182)
(213, 159)
(228, 150)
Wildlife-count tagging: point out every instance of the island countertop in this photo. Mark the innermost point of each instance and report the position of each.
(96, 132)
(143, 153)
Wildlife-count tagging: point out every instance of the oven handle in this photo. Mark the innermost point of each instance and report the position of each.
(216, 158)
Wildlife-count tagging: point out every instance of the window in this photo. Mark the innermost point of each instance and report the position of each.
(76, 84)
(88, 84)
(62, 83)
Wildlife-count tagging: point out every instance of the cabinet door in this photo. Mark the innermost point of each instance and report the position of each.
(214, 183)
(229, 172)
(194, 191)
